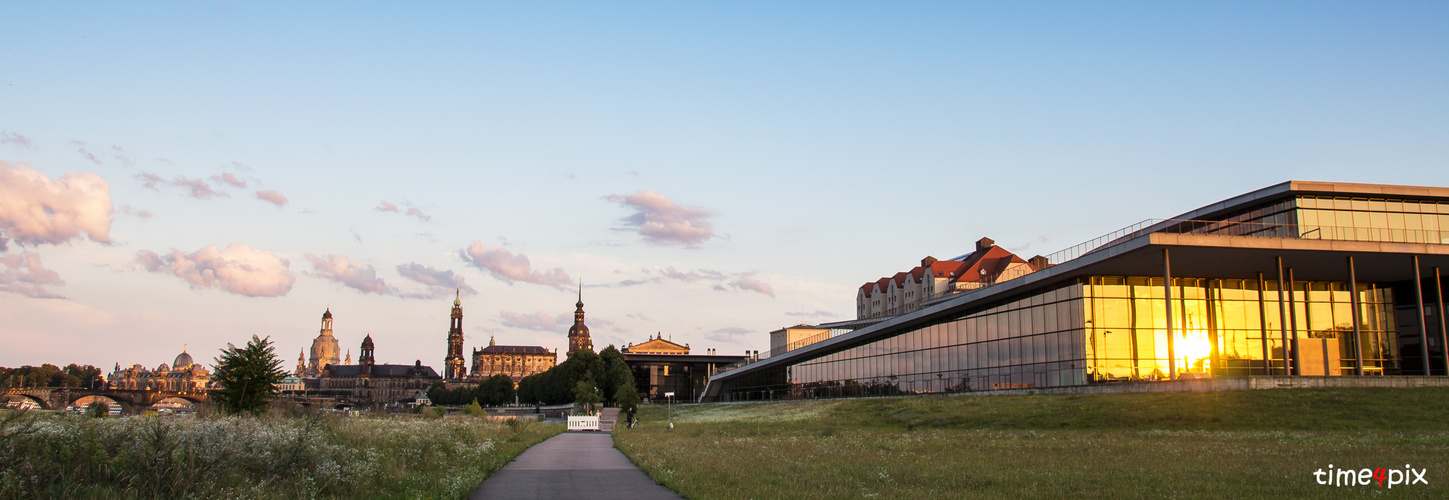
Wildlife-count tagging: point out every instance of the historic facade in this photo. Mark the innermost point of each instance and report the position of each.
(182, 376)
(934, 280)
(656, 345)
(453, 365)
(579, 333)
(515, 361)
(661, 366)
(324, 348)
(378, 383)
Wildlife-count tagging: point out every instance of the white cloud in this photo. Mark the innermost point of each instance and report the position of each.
(229, 179)
(273, 197)
(36, 210)
(660, 220)
(239, 269)
(541, 321)
(504, 265)
(354, 275)
(23, 274)
(440, 282)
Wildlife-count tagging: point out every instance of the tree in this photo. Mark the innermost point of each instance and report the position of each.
(98, 408)
(247, 377)
(587, 395)
(474, 409)
(627, 397)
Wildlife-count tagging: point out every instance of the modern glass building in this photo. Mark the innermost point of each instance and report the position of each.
(1300, 278)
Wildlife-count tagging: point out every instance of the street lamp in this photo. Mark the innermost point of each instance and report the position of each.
(669, 398)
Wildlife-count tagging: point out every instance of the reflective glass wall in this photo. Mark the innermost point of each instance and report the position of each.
(1224, 327)
(1364, 219)
(1329, 218)
(1100, 330)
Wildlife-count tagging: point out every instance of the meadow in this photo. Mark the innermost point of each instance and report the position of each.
(1240, 444)
(280, 455)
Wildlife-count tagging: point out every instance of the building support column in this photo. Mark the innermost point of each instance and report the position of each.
(1423, 323)
(1167, 295)
(1293, 353)
(1282, 315)
(1443, 331)
(1357, 336)
(1263, 325)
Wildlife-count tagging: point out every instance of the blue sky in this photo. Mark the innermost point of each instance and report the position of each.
(807, 148)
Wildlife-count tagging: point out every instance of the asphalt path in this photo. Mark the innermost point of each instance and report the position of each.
(572, 465)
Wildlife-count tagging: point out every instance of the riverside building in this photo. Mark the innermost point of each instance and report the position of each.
(1299, 278)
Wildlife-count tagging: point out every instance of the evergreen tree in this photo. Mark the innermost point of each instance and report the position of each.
(247, 377)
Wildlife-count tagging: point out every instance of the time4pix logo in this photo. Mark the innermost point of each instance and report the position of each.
(1381, 477)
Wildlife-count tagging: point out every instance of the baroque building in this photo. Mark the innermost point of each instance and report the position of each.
(515, 361)
(182, 376)
(369, 382)
(579, 333)
(324, 348)
(453, 364)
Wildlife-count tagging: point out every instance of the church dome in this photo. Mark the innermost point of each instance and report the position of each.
(183, 360)
(328, 314)
(579, 328)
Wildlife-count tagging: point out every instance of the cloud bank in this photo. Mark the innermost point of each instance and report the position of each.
(23, 274)
(440, 282)
(17, 140)
(239, 269)
(354, 275)
(411, 211)
(540, 321)
(504, 265)
(36, 210)
(661, 221)
(722, 281)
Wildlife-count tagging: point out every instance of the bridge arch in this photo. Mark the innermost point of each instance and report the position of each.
(18, 397)
(84, 402)
(127, 406)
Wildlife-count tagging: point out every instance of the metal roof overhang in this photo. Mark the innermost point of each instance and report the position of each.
(1197, 256)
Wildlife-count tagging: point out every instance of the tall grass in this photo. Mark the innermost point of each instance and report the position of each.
(294, 456)
(1248, 444)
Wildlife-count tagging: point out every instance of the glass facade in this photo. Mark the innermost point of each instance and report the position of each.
(1334, 218)
(1223, 327)
(1373, 219)
(1097, 330)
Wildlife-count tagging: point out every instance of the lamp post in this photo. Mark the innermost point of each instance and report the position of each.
(669, 412)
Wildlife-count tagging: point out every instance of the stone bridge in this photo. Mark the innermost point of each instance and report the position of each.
(131, 401)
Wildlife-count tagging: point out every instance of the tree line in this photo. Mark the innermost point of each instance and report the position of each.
(493, 391)
(586, 378)
(48, 375)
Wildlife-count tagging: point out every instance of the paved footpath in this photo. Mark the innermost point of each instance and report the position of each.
(572, 465)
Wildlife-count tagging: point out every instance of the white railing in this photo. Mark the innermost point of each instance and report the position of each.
(583, 422)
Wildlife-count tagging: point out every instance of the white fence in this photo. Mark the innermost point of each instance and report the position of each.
(583, 423)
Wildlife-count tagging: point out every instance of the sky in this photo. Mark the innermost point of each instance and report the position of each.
(186, 174)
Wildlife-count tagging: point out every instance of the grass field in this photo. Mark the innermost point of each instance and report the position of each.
(1239, 444)
(273, 456)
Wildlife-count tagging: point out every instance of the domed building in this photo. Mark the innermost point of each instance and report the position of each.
(324, 348)
(182, 376)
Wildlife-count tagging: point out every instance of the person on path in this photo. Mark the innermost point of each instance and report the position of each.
(630, 418)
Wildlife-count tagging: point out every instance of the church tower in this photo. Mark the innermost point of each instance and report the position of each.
(454, 365)
(301, 363)
(365, 360)
(324, 347)
(579, 333)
